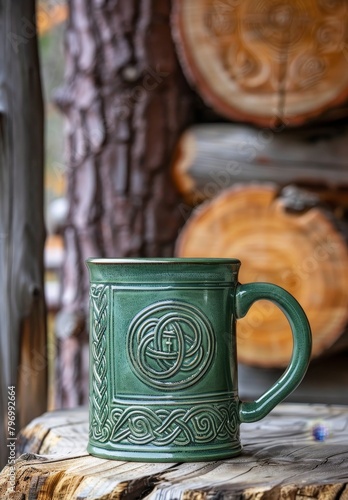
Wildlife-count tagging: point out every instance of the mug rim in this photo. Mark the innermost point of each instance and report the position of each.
(162, 260)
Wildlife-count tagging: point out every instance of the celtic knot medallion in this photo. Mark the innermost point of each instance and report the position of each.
(170, 344)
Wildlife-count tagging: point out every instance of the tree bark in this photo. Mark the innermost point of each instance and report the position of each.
(22, 310)
(126, 102)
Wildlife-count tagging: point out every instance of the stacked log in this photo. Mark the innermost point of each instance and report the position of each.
(287, 238)
(212, 157)
(265, 62)
(275, 198)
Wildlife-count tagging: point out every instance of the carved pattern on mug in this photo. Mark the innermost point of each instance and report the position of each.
(170, 345)
(201, 424)
(99, 428)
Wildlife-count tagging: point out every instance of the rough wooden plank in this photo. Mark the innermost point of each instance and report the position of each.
(61, 431)
(281, 459)
(83, 477)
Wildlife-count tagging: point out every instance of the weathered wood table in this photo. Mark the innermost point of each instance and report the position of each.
(281, 459)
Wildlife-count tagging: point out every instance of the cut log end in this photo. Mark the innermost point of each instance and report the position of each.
(302, 252)
(264, 62)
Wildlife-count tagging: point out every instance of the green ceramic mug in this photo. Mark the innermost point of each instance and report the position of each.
(163, 364)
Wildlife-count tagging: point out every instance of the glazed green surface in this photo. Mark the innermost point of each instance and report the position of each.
(163, 364)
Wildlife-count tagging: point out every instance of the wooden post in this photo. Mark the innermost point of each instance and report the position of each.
(126, 103)
(23, 360)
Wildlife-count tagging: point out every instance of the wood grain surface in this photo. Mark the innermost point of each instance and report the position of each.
(214, 156)
(280, 459)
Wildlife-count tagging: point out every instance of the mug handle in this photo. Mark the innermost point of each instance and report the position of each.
(246, 295)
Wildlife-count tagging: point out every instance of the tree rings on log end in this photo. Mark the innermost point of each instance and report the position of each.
(265, 62)
(302, 252)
